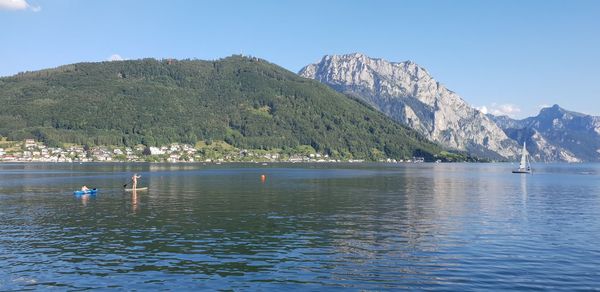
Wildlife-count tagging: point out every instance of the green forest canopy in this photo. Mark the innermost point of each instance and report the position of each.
(247, 102)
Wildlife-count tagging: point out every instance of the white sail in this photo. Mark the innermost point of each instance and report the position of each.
(524, 164)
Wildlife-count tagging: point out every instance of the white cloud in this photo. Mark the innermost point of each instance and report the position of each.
(543, 106)
(482, 109)
(505, 109)
(496, 109)
(115, 57)
(18, 5)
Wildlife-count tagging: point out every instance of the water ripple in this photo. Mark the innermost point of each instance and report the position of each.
(373, 227)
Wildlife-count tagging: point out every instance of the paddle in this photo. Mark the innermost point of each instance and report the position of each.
(125, 185)
(135, 175)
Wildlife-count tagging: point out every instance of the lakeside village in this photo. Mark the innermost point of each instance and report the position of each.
(33, 151)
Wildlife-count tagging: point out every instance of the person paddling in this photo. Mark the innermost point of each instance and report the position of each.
(134, 180)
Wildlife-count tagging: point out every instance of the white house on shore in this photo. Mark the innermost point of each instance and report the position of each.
(156, 151)
(29, 143)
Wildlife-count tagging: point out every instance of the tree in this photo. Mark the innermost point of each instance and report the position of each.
(146, 151)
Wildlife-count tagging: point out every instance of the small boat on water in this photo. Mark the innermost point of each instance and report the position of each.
(86, 192)
(524, 166)
(136, 189)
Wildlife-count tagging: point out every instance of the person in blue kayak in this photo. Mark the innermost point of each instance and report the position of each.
(84, 189)
(134, 180)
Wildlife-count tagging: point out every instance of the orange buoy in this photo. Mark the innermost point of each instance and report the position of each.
(263, 178)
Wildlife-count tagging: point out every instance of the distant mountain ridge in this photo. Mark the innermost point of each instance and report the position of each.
(407, 93)
(556, 134)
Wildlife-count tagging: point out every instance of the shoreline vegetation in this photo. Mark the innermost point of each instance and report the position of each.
(30, 150)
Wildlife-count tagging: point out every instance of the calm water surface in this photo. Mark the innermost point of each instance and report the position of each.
(306, 227)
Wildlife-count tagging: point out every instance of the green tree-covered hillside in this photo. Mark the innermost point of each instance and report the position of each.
(246, 102)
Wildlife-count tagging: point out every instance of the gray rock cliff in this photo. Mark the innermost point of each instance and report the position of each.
(409, 94)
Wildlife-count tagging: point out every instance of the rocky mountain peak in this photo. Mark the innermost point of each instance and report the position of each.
(553, 111)
(377, 75)
(407, 92)
(557, 112)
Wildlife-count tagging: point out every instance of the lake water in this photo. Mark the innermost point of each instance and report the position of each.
(305, 227)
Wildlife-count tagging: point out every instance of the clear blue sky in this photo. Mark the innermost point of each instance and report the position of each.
(492, 53)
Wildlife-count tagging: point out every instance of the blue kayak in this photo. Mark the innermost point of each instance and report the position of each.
(91, 191)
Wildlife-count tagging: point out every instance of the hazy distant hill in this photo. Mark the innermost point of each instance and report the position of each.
(247, 102)
(556, 134)
(407, 93)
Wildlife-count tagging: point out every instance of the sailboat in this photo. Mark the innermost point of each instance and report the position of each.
(524, 166)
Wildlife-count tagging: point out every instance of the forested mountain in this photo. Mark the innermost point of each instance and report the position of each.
(246, 102)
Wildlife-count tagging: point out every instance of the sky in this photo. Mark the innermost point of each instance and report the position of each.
(505, 57)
